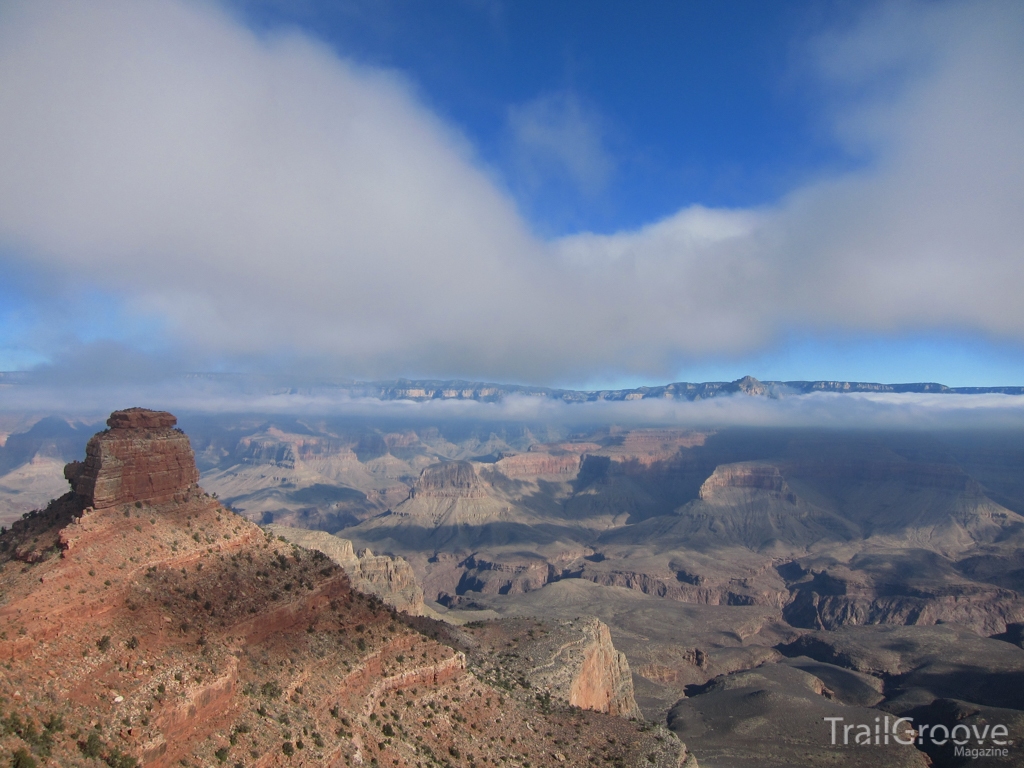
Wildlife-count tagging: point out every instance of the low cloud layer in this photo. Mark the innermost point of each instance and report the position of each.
(259, 201)
(888, 411)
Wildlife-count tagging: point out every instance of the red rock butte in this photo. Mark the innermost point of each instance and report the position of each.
(142, 457)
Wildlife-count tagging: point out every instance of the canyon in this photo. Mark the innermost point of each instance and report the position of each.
(142, 622)
(722, 564)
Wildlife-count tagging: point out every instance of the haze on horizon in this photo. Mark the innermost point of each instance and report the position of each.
(510, 192)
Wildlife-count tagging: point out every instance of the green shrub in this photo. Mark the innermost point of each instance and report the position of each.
(92, 746)
(116, 759)
(22, 759)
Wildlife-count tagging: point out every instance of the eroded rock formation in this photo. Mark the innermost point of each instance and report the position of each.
(389, 578)
(763, 477)
(571, 661)
(603, 681)
(538, 464)
(506, 574)
(140, 458)
(450, 479)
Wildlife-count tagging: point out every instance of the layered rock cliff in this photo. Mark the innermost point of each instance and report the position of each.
(449, 480)
(573, 662)
(539, 464)
(141, 457)
(389, 578)
(763, 477)
(504, 574)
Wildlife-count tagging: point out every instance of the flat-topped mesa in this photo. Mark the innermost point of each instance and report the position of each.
(140, 458)
(746, 474)
(449, 479)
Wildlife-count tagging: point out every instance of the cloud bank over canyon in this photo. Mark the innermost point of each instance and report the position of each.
(824, 410)
(248, 197)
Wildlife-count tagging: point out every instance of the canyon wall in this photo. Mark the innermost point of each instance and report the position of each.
(577, 663)
(450, 479)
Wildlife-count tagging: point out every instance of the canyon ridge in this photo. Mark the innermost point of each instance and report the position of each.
(144, 623)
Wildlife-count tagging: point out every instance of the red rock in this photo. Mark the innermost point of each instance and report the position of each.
(141, 418)
(535, 464)
(140, 458)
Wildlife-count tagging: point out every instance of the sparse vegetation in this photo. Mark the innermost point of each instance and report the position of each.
(158, 616)
(22, 759)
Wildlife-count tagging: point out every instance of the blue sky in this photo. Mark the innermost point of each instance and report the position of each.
(684, 103)
(575, 194)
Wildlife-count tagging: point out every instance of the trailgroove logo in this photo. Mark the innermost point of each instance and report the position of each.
(968, 741)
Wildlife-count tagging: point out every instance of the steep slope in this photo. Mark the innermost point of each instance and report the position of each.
(164, 628)
(571, 661)
(389, 578)
(450, 507)
(752, 505)
(32, 464)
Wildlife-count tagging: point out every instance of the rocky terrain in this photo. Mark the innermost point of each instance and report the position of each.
(142, 622)
(389, 578)
(708, 554)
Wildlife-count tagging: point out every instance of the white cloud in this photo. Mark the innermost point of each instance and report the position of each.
(888, 411)
(264, 199)
(928, 237)
(555, 135)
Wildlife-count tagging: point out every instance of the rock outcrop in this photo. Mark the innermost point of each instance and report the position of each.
(538, 464)
(763, 477)
(573, 662)
(140, 458)
(504, 574)
(449, 480)
(602, 681)
(389, 578)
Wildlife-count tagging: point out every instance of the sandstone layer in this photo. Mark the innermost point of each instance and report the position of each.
(764, 477)
(140, 458)
(451, 479)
